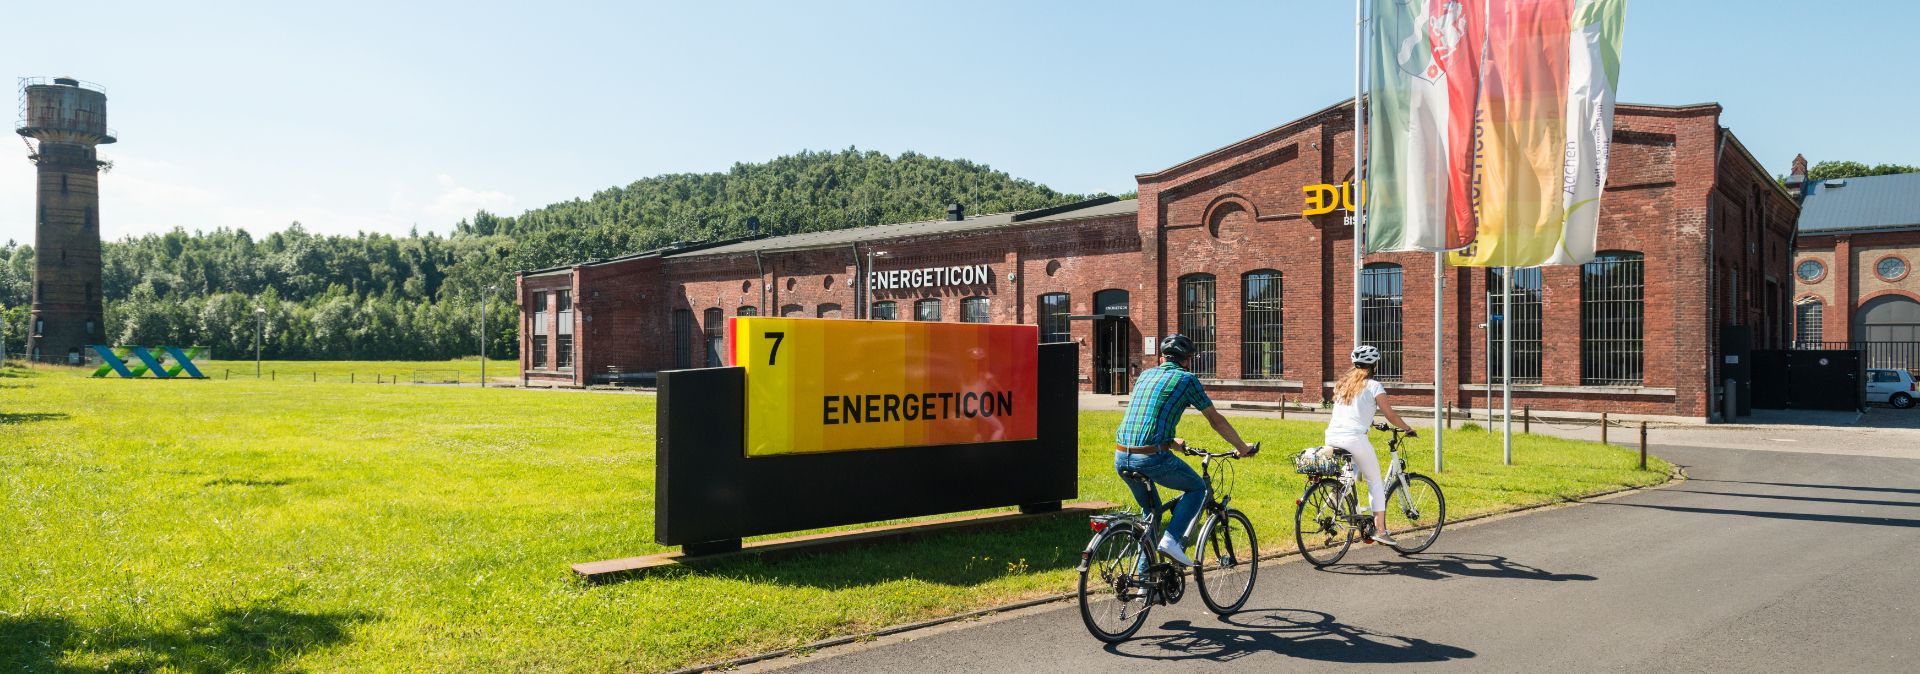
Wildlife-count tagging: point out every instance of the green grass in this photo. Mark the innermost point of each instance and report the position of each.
(264, 526)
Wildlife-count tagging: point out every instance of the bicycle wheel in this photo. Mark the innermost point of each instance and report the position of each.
(1114, 596)
(1320, 526)
(1228, 562)
(1416, 513)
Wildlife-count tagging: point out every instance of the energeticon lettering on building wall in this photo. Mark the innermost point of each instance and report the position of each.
(1238, 249)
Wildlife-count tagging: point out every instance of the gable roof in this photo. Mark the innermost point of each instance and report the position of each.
(1865, 203)
(1092, 208)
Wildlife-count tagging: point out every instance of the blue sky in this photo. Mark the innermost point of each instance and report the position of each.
(352, 116)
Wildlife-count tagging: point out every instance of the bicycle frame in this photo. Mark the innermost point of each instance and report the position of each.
(1396, 473)
(1150, 523)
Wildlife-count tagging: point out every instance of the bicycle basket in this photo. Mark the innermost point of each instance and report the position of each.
(1316, 461)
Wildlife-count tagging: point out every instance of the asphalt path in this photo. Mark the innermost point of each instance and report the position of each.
(1762, 561)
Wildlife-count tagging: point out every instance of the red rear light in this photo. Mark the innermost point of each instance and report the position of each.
(1098, 525)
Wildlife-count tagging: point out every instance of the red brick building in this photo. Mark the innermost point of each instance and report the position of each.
(1854, 285)
(1695, 236)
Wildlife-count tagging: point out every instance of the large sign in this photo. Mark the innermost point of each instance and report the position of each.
(930, 277)
(1329, 198)
(829, 385)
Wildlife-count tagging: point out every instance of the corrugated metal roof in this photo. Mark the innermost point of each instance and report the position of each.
(1872, 202)
(842, 237)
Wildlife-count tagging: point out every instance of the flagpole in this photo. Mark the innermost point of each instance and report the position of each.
(1506, 362)
(1439, 332)
(1359, 202)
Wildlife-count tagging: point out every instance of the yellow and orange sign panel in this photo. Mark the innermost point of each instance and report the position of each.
(828, 385)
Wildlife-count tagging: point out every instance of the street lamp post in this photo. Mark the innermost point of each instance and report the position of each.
(866, 284)
(259, 321)
(483, 332)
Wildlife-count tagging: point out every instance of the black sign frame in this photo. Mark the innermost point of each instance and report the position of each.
(709, 494)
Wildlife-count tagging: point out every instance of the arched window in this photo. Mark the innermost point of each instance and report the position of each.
(715, 322)
(1380, 306)
(1612, 320)
(926, 310)
(975, 310)
(1054, 308)
(747, 311)
(885, 310)
(828, 310)
(792, 311)
(1197, 321)
(1261, 337)
(1808, 321)
(1889, 318)
(1527, 344)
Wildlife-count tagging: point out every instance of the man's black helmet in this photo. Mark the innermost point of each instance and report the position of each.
(1176, 345)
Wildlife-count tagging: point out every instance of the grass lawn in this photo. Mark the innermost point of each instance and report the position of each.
(277, 526)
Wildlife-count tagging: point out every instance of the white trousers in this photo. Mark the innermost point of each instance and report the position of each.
(1368, 464)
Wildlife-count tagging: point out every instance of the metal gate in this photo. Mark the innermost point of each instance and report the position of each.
(1809, 380)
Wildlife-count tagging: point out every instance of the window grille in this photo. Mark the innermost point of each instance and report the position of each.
(539, 352)
(926, 310)
(1380, 308)
(1528, 346)
(563, 352)
(975, 310)
(715, 322)
(1197, 321)
(883, 311)
(1261, 336)
(1054, 308)
(1808, 321)
(682, 339)
(747, 311)
(1612, 320)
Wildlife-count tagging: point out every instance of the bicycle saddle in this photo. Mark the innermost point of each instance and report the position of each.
(1136, 475)
(1337, 451)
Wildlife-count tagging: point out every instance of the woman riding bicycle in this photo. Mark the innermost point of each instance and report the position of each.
(1355, 397)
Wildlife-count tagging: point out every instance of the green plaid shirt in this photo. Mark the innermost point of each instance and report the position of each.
(1159, 397)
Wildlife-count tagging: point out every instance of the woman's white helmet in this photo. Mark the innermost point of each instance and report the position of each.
(1366, 355)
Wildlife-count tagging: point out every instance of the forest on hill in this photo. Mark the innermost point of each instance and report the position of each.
(378, 296)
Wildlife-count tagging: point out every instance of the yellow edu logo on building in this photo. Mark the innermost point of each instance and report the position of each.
(1325, 198)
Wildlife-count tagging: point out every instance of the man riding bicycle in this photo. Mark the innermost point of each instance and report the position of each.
(1160, 396)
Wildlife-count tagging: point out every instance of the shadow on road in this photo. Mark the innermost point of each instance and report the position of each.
(1817, 499)
(1298, 633)
(1453, 564)
(1853, 487)
(1805, 517)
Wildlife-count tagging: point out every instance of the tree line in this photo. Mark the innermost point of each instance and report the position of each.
(418, 297)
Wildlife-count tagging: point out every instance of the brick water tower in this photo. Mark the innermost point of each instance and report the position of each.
(68, 118)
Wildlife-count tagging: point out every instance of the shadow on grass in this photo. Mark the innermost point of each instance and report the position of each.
(247, 482)
(1449, 565)
(234, 639)
(1296, 633)
(959, 559)
(11, 418)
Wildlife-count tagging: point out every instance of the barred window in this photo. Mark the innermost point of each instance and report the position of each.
(1612, 320)
(1807, 324)
(1054, 308)
(539, 352)
(828, 310)
(792, 311)
(1380, 307)
(1527, 342)
(682, 326)
(975, 310)
(926, 310)
(715, 322)
(747, 311)
(1261, 336)
(883, 311)
(1197, 322)
(563, 352)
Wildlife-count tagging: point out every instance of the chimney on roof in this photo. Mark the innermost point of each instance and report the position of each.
(956, 212)
(1797, 177)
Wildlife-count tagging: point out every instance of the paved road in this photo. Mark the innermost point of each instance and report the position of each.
(1764, 561)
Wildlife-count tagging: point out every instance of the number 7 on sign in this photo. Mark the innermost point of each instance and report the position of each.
(777, 337)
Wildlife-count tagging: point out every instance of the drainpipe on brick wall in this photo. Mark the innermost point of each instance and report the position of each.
(762, 281)
(1713, 290)
(858, 282)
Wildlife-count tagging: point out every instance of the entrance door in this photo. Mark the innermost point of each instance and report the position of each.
(1112, 354)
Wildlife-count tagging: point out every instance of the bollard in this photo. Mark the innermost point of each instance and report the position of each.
(1603, 428)
(350, 378)
(273, 375)
(316, 377)
(377, 378)
(1283, 407)
(1526, 419)
(229, 375)
(1449, 415)
(1643, 445)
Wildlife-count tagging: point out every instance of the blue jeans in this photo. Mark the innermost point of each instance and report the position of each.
(1167, 471)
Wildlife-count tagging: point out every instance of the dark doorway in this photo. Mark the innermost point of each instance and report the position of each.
(1112, 341)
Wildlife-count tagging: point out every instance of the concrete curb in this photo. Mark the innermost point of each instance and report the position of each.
(1674, 476)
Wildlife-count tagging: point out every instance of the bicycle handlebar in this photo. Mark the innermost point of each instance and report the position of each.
(1382, 426)
(1190, 451)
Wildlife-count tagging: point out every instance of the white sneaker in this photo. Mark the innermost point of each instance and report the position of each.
(1171, 548)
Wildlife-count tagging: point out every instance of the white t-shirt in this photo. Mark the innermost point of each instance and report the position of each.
(1355, 418)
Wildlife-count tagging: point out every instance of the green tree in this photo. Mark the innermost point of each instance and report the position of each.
(1835, 170)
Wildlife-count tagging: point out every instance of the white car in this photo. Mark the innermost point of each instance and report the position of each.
(1893, 387)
